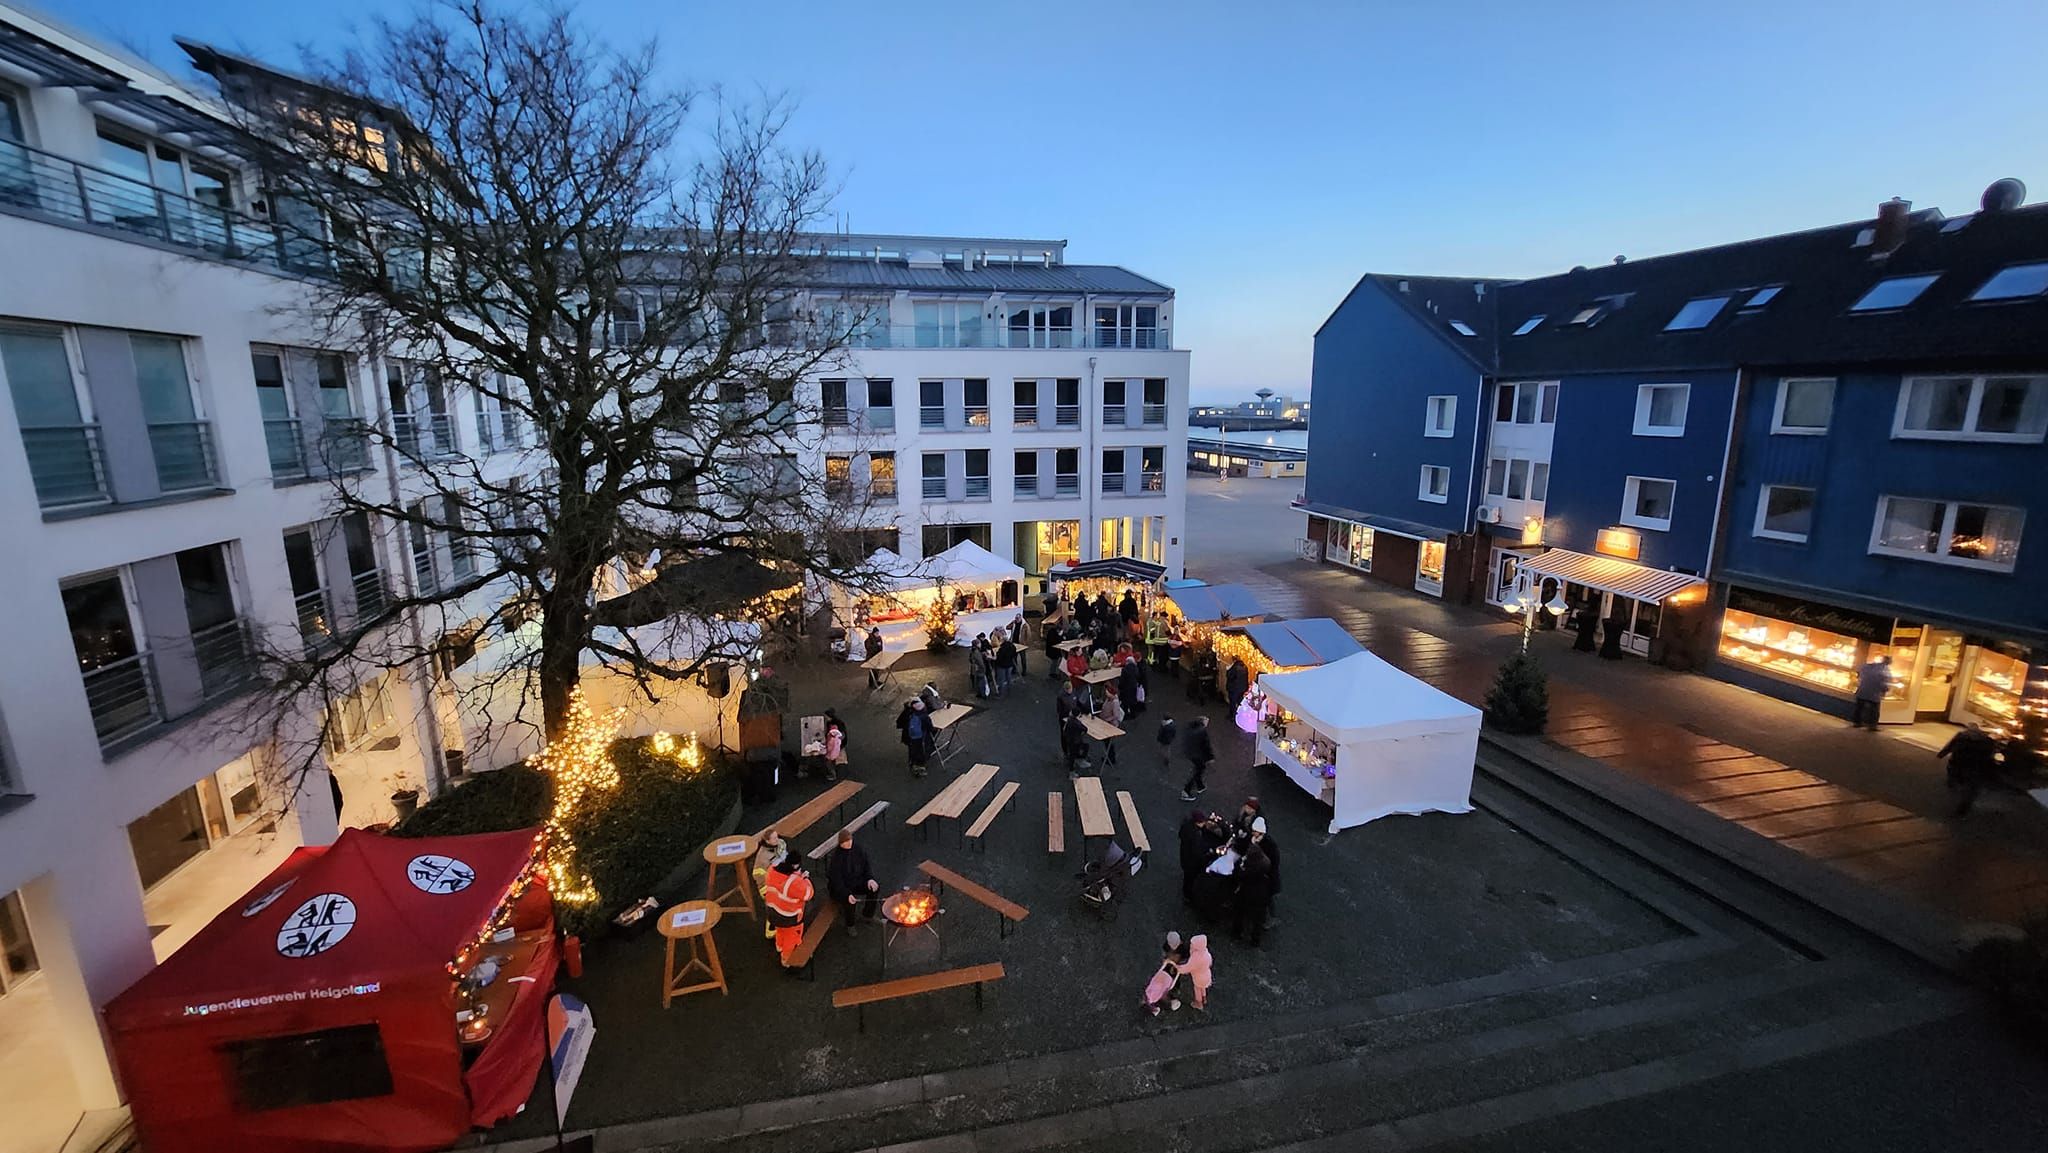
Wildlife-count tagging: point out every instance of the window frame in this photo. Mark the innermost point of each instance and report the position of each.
(1631, 490)
(1424, 489)
(1763, 505)
(1719, 304)
(1778, 425)
(74, 361)
(1530, 325)
(1945, 536)
(1978, 296)
(1926, 281)
(1646, 403)
(1449, 427)
(1972, 413)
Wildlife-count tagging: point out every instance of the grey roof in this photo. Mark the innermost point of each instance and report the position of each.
(837, 272)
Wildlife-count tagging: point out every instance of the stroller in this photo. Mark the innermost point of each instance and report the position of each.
(1102, 881)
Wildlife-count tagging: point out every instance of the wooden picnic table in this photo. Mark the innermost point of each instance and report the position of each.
(1100, 729)
(943, 723)
(1139, 840)
(954, 799)
(883, 661)
(1075, 645)
(1094, 808)
(810, 812)
(1101, 676)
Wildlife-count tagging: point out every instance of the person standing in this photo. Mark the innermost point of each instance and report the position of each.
(1254, 894)
(1130, 682)
(1200, 969)
(1113, 712)
(1127, 608)
(1006, 664)
(1972, 763)
(835, 748)
(1236, 682)
(772, 850)
(1873, 681)
(850, 879)
(1084, 613)
(788, 894)
(1063, 708)
(1271, 849)
(1166, 734)
(1018, 642)
(1200, 752)
(1105, 613)
(1074, 743)
(977, 666)
(917, 737)
(1155, 639)
(1198, 843)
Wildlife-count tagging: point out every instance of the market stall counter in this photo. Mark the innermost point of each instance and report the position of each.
(1368, 739)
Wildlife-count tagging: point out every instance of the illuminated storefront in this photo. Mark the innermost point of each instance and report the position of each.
(1349, 544)
(1140, 537)
(1041, 544)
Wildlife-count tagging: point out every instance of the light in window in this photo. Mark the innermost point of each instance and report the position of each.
(1462, 329)
(1529, 325)
(1763, 296)
(1697, 313)
(2015, 282)
(1894, 292)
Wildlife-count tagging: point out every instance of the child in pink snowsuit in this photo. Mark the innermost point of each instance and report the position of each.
(1198, 967)
(1174, 954)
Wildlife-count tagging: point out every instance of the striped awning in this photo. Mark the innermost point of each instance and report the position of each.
(1619, 577)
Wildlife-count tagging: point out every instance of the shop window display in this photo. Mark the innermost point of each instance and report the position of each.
(1824, 659)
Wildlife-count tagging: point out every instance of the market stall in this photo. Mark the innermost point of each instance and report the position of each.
(1281, 646)
(981, 587)
(1111, 577)
(1196, 610)
(1368, 739)
(379, 993)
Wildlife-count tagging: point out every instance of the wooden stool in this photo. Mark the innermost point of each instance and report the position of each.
(691, 921)
(737, 852)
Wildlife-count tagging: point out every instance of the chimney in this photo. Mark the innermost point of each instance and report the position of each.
(1892, 219)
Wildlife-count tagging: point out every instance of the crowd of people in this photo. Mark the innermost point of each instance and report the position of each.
(1230, 868)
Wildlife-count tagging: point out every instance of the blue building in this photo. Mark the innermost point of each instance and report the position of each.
(1775, 460)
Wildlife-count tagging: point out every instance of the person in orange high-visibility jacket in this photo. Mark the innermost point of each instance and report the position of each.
(787, 890)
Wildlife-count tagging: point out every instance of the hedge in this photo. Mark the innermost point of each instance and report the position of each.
(627, 839)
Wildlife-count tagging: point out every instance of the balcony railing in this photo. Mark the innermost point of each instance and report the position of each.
(345, 445)
(287, 449)
(1067, 484)
(977, 416)
(511, 429)
(1155, 415)
(441, 433)
(972, 336)
(1066, 416)
(316, 618)
(425, 576)
(838, 416)
(371, 597)
(405, 433)
(45, 184)
(227, 659)
(1153, 481)
(123, 697)
(184, 455)
(977, 488)
(878, 419)
(1026, 487)
(929, 416)
(1041, 338)
(1024, 416)
(1132, 338)
(839, 491)
(1112, 414)
(1112, 482)
(486, 432)
(882, 486)
(66, 464)
(934, 488)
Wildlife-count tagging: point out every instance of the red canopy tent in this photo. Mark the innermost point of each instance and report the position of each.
(318, 1013)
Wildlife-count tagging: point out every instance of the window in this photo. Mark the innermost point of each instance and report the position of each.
(1547, 411)
(1588, 316)
(1112, 470)
(336, 399)
(1462, 329)
(17, 947)
(1539, 480)
(1660, 409)
(1497, 477)
(1761, 297)
(882, 474)
(1530, 325)
(977, 474)
(881, 413)
(360, 715)
(1113, 401)
(948, 324)
(1894, 292)
(1991, 408)
(1066, 470)
(1042, 326)
(1066, 402)
(1785, 512)
(1024, 471)
(1127, 326)
(1152, 468)
(1646, 502)
(1518, 479)
(832, 397)
(1527, 402)
(1024, 404)
(2015, 282)
(1698, 312)
(974, 399)
(1436, 484)
(1948, 532)
(931, 404)
(934, 476)
(1440, 416)
(1155, 401)
(1804, 407)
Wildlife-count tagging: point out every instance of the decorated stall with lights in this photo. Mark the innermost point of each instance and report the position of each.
(964, 591)
(1197, 609)
(379, 993)
(1278, 647)
(1367, 739)
(1111, 577)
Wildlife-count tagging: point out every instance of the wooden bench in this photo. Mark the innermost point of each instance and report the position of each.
(1007, 910)
(853, 826)
(861, 996)
(812, 811)
(953, 800)
(800, 957)
(1056, 825)
(1137, 827)
(988, 815)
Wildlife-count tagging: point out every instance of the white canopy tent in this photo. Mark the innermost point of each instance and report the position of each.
(907, 588)
(1369, 739)
(968, 564)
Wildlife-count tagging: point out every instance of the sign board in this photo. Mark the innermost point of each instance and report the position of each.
(570, 1031)
(731, 848)
(1827, 618)
(687, 917)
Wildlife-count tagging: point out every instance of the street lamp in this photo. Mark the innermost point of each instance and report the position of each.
(1525, 600)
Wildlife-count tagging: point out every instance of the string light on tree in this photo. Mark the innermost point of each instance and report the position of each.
(579, 761)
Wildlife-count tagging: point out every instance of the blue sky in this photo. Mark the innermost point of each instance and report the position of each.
(1259, 156)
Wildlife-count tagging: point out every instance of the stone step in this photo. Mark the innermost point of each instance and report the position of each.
(1035, 1097)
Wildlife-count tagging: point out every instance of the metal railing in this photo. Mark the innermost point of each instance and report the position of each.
(1067, 484)
(441, 435)
(1026, 487)
(123, 697)
(1132, 338)
(66, 462)
(287, 448)
(1152, 481)
(371, 596)
(882, 486)
(931, 417)
(316, 618)
(1066, 416)
(405, 433)
(486, 432)
(45, 184)
(977, 416)
(838, 416)
(1112, 414)
(1155, 414)
(839, 491)
(934, 488)
(1024, 416)
(512, 428)
(184, 455)
(345, 445)
(227, 659)
(1112, 482)
(977, 488)
(425, 576)
(983, 335)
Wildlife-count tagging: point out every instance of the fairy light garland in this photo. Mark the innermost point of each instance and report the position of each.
(501, 917)
(579, 762)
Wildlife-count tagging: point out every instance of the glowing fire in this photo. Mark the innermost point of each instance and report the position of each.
(913, 907)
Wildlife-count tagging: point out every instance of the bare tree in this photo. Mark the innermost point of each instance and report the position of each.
(495, 203)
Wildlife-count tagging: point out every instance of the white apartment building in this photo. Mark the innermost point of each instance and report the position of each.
(171, 434)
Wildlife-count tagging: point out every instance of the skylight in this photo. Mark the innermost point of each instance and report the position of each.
(1957, 224)
(1697, 313)
(1894, 292)
(1763, 296)
(2014, 282)
(1588, 316)
(1462, 329)
(1529, 325)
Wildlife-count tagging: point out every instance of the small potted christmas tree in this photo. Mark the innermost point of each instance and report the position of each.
(1519, 701)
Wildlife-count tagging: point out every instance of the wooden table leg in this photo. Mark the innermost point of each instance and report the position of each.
(711, 959)
(668, 974)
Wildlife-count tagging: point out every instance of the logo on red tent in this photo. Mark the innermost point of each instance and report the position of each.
(316, 926)
(432, 873)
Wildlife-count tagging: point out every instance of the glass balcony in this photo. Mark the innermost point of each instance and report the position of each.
(1026, 487)
(1041, 337)
(227, 659)
(952, 334)
(287, 450)
(123, 697)
(1112, 482)
(1066, 416)
(316, 618)
(935, 488)
(977, 488)
(66, 464)
(184, 455)
(1067, 484)
(1024, 416)
(879, 419)
(371, 598)
(1132, 338)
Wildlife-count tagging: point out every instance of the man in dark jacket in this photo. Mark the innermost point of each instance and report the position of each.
(1254, 894)
(1129, 679)
(1972, 763)
(1200, 836)
(850, 880)
(1127, 608)
(1200, 752)
(1074, 743)
(1237, 680)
